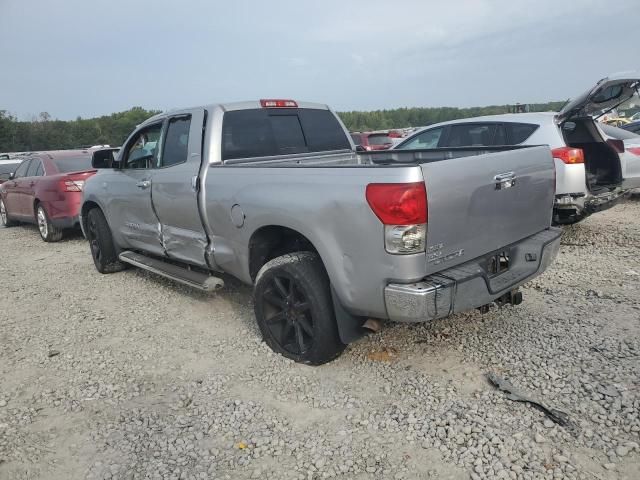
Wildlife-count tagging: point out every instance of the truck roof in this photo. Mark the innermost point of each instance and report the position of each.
(231, 106)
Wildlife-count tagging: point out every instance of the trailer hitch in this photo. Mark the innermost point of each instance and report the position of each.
(513, 297)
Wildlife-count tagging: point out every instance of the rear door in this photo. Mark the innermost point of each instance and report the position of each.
(175, 188)
(29, 187)
(129, 207)
(480, 204)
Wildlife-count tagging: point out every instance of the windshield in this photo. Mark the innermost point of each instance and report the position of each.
(73, 164)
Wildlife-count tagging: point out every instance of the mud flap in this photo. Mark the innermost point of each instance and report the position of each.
(349, 326)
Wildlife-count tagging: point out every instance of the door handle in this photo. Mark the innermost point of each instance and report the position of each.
(32, 184)
(505, 180)
(143, 184)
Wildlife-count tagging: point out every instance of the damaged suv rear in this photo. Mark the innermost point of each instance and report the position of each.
(590, 174)
(592, 170)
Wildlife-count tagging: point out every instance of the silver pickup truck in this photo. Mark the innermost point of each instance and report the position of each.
(333, 240)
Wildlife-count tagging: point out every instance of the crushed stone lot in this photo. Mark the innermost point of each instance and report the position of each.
(129, 376)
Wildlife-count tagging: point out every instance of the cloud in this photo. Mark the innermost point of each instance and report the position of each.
(88, 58)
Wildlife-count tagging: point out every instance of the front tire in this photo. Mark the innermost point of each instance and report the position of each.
(48, 231)
(4, 215)
(294, 309)
(103, 249)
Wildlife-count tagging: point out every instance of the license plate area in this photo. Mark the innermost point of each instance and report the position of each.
(498, 263)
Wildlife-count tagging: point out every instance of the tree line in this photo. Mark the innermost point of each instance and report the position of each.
(45, 133)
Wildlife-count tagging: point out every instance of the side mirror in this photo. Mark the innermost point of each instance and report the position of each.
(105, 158)
(360, 148)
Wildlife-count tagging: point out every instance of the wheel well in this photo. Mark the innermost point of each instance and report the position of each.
(85, 210)
(273, 241)
(36, 202)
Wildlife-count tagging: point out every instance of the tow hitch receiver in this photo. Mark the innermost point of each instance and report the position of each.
(514, 297)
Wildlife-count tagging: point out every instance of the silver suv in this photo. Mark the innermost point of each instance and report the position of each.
(591, 172)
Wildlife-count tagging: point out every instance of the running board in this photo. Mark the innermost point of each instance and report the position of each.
(191, 278)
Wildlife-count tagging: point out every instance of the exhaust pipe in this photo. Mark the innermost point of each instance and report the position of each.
(373, 325)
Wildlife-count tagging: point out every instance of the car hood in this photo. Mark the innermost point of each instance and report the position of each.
(607, 94)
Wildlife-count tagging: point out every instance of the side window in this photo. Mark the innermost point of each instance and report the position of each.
(35, 163)
(519, 132)
(40, 170)
(22, 169)
(427, 139)
(356, 139)
(176, 143)
(470, 134)
(142, 151)
(500, 137)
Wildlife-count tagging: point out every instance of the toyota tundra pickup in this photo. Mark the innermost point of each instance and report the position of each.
(333, 240)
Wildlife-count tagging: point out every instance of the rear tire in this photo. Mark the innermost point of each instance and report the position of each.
(294, 309)
(48, 231)
(5, 221)
(103, 249)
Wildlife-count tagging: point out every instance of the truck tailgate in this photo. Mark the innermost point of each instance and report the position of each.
(482, 203)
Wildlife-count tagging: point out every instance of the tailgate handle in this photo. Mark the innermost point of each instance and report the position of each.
(505, 180)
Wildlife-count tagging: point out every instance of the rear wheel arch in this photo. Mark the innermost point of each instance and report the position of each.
(271, 241)
(48, 231)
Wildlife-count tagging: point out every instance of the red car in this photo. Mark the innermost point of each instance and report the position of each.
(372, 140)
(46, 189)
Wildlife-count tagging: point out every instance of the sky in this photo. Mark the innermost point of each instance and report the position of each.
(94, 57)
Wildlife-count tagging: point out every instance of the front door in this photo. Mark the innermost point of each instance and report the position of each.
(14, 188)
(130, 192)
(175, 188)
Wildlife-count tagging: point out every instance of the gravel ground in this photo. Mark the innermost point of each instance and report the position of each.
(130, 376)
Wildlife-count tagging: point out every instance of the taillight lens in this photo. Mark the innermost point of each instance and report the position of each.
(72, 185)
(569, 155)
(402, 208)
(634, 150)
(398, 203)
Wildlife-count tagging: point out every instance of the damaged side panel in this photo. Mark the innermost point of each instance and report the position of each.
(184, 245)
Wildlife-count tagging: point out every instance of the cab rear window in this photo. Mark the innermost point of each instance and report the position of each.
(267, 132)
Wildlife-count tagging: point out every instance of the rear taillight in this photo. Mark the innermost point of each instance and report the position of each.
(72, 185)
(568, 155)
(617, 145)
(276, 103)
(634, 150)
(402, 208)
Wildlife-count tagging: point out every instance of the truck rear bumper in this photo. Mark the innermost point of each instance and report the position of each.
(470, 285)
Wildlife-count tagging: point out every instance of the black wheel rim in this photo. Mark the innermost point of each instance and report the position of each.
(93, 241)
(287, 314)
